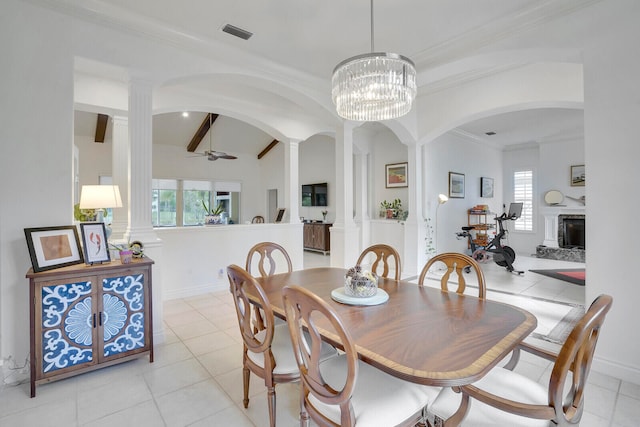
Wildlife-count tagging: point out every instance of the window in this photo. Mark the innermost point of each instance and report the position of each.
(177, 202)
(163, 204)
(523, 192)
(108, 214)
(193, 194)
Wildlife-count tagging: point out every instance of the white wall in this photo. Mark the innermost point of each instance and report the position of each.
(450, 153)
(386, 149)
(613, 198)
(36, 162)
(194, 256)
(317, 164)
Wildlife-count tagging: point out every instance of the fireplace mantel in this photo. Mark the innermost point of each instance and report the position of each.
(551, 221)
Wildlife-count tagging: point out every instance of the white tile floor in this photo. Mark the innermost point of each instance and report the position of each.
(196, 378)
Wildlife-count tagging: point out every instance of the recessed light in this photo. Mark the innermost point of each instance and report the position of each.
(185, 114)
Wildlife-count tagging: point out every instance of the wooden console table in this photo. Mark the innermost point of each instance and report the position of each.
(86, 317)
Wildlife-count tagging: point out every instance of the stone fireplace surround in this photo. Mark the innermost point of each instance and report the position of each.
(550, 248)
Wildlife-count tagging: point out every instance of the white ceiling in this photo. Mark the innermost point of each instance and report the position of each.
(312, 37)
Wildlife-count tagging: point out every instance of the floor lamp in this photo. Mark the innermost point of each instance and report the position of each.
(442, 199)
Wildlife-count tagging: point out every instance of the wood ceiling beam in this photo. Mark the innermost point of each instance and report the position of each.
(201, 132)
(267, 149)
(101, 127)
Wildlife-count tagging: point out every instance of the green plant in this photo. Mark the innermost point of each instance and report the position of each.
(217, 211)
(83, 214)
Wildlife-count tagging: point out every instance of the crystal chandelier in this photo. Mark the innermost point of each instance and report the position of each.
(374, 86)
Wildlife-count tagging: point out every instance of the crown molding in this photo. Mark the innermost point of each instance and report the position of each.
(471, 41)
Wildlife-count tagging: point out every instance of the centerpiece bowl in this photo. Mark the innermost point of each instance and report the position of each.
(360, 283)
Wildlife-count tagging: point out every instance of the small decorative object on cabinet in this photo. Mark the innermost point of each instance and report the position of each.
(86, 317)
(477, 218)
(316, 237)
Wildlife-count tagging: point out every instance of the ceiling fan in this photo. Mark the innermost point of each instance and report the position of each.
(211, 154)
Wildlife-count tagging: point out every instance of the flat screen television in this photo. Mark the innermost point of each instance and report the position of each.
(315, 194)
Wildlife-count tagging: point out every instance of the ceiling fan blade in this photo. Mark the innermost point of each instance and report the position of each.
(222, 155)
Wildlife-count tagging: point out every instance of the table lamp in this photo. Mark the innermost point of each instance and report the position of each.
(100, 197)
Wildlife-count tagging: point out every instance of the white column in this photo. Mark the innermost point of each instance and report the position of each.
(344, 233)
(120, 174)
(140, 227)
(362, 215)
(291, 179)
(414, 227)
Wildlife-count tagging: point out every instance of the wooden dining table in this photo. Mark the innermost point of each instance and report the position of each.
(421, 334)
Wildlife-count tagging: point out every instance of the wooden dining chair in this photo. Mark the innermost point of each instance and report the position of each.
(258, 219)
(264, 257)
(382, 254)
(267, 353)
(506, 398)
(267, 253)
(344, 391)
(455, 262)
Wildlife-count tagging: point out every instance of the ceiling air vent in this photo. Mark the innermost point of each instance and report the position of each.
(490, 133)
(238, 32)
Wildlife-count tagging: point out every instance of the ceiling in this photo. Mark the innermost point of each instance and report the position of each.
(312, 37)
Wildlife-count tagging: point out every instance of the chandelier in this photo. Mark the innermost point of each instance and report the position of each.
(374, 86)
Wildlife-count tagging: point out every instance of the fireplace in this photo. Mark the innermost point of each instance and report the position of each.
(571, 229)
(564, 233)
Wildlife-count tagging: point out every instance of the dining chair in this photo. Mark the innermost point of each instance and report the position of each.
(344, 391)
(267, 353)
(455, 262)
(264, 257)
(258, 219)
(505, 398)
(382, 254)
(268, 254)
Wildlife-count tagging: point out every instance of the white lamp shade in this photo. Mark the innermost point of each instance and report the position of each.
(442, 199)
(100, 197)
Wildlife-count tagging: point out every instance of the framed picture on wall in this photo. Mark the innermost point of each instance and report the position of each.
(53, 247)
(396, 175)
(456, 185)
(577, 176)
(280, 215)
(486, 187)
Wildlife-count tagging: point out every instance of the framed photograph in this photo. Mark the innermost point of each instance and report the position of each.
(456, 185)
(396, 175)
(577, 176)
(94, 241)
(486, 187)
(280, 214)
(53, 247)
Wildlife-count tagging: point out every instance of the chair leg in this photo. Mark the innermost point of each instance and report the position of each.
(271, 399)
(245, 380)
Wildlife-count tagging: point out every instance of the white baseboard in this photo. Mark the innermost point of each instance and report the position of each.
(194, 291)
(616, 369)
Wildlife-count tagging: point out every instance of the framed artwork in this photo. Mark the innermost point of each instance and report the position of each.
(53, 247)
(577, 176)
(486, 187)
(94, 241)
(456, 185)
(280, 214)
(396, 175)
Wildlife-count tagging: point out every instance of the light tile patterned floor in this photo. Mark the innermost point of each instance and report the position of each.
(196, 378)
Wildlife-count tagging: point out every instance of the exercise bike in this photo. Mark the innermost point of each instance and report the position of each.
(501, 255)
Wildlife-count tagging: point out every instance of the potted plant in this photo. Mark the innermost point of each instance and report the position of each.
(125, 252)
(213, 216)
(391, 210)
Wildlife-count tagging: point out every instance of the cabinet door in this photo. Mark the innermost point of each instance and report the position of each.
(122, 314)
(65, 326)
(308, 235)
(319, 236)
